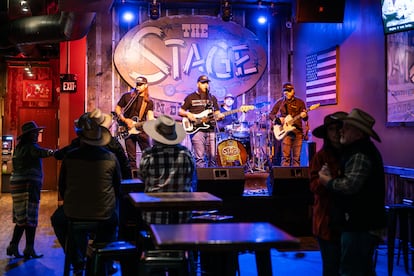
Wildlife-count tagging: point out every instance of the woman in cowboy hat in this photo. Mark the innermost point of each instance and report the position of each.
(327, 237)
(359, 194)
(25, 185)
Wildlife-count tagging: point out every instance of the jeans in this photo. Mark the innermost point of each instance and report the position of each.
(291, 149)
(204, 147)
(131, 146)
(331, 256)
(358, 253)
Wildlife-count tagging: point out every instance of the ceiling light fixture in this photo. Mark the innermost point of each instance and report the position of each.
(226, 12)
(154, 10)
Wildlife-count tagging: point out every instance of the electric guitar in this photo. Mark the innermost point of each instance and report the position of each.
(280, 131)
(204, 118)
(123, 131)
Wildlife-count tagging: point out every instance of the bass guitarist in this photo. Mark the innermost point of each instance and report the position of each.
(283, 113)
(133, 108)
(203, 140)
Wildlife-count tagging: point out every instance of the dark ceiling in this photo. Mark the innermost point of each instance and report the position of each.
(34, 28)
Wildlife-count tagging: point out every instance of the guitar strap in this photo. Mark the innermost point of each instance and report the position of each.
(142, 109)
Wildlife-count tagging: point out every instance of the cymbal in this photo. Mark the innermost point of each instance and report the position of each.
(260, 105)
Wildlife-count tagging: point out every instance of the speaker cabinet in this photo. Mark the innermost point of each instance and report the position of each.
(323, 11)
(223, 182)
(292, 199)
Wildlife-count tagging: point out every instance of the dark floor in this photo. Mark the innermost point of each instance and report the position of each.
(304, 262)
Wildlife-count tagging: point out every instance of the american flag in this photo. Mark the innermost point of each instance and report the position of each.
(321, 77)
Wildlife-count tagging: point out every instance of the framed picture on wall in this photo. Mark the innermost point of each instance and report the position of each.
(400, 79)
(37, 90)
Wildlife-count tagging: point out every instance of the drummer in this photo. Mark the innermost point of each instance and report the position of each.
(227, 122)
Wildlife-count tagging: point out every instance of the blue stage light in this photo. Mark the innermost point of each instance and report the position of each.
(128, 16)
(262, 19)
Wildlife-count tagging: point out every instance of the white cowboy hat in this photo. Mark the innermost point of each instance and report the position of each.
(101, 118)
(165, 130)
(363, 121)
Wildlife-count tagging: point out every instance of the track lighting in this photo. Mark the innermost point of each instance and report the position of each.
(154, 10)
(226, 13)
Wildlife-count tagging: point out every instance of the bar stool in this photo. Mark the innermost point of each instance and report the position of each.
(403, 215)
(123, 251)
(70, 245)
(154, 261)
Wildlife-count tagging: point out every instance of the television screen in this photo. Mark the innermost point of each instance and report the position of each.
(397, 15)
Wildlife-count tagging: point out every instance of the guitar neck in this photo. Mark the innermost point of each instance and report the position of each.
(226, 113)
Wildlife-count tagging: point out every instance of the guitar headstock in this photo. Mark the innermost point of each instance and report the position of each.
(314, 106)
(245, 108)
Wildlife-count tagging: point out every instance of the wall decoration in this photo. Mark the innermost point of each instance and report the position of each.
(321, 77)
(172, 51)
(400, 79)
(37, 90)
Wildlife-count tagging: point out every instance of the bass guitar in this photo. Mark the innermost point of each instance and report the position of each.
(204, 118)
(280, 131)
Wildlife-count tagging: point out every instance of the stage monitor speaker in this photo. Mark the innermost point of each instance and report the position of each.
(291, 182)
(322, 11)
(223, 182)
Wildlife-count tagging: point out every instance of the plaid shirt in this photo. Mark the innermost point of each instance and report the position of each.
(167, 168)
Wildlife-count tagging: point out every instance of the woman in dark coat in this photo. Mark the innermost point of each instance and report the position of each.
(25, 184)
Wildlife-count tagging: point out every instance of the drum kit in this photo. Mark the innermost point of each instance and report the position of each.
(248, 144)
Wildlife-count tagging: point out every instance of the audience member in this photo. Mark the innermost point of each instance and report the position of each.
(330, 153)
(25, 185)
(167, 166)
(114, 145)
(89, 186)
(359, 194)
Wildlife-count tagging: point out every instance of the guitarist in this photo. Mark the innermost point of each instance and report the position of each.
(204, 140)
(291, 144)
(135, 103)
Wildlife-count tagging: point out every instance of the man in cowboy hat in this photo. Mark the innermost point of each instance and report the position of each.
(167, 166)
(330, 154)
(360, 191)
(89, 182)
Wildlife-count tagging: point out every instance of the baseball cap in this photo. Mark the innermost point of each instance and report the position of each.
(287, 86)
(203, 79)
(141, 80)
(229, 96)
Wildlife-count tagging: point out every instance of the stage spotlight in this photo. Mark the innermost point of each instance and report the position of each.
(127, 14)
(154, 11)
(262, 19)
(226, 13)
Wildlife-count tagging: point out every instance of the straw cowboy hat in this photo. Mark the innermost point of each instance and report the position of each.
(101, 118)
(329, 119)
(363, 121)
(165, 130)
(91, 133)
(30, 126)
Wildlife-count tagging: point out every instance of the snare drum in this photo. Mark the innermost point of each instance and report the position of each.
(231, 152)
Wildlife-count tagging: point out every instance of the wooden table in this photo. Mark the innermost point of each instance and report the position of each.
(229, 237)
(182, 201)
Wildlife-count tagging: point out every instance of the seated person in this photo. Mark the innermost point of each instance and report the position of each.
(167, 166)
(89, 182)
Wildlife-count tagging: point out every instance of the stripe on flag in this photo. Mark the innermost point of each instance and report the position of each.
(321, 77)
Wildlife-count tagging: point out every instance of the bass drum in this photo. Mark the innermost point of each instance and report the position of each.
(231, 152)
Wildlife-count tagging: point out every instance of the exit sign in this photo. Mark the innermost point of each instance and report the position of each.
(67, 83)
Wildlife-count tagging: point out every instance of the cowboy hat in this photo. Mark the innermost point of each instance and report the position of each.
(101, 118)
(30, 126)
(165, 130)
(91, 133)
(362, 121)
(329, 119)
